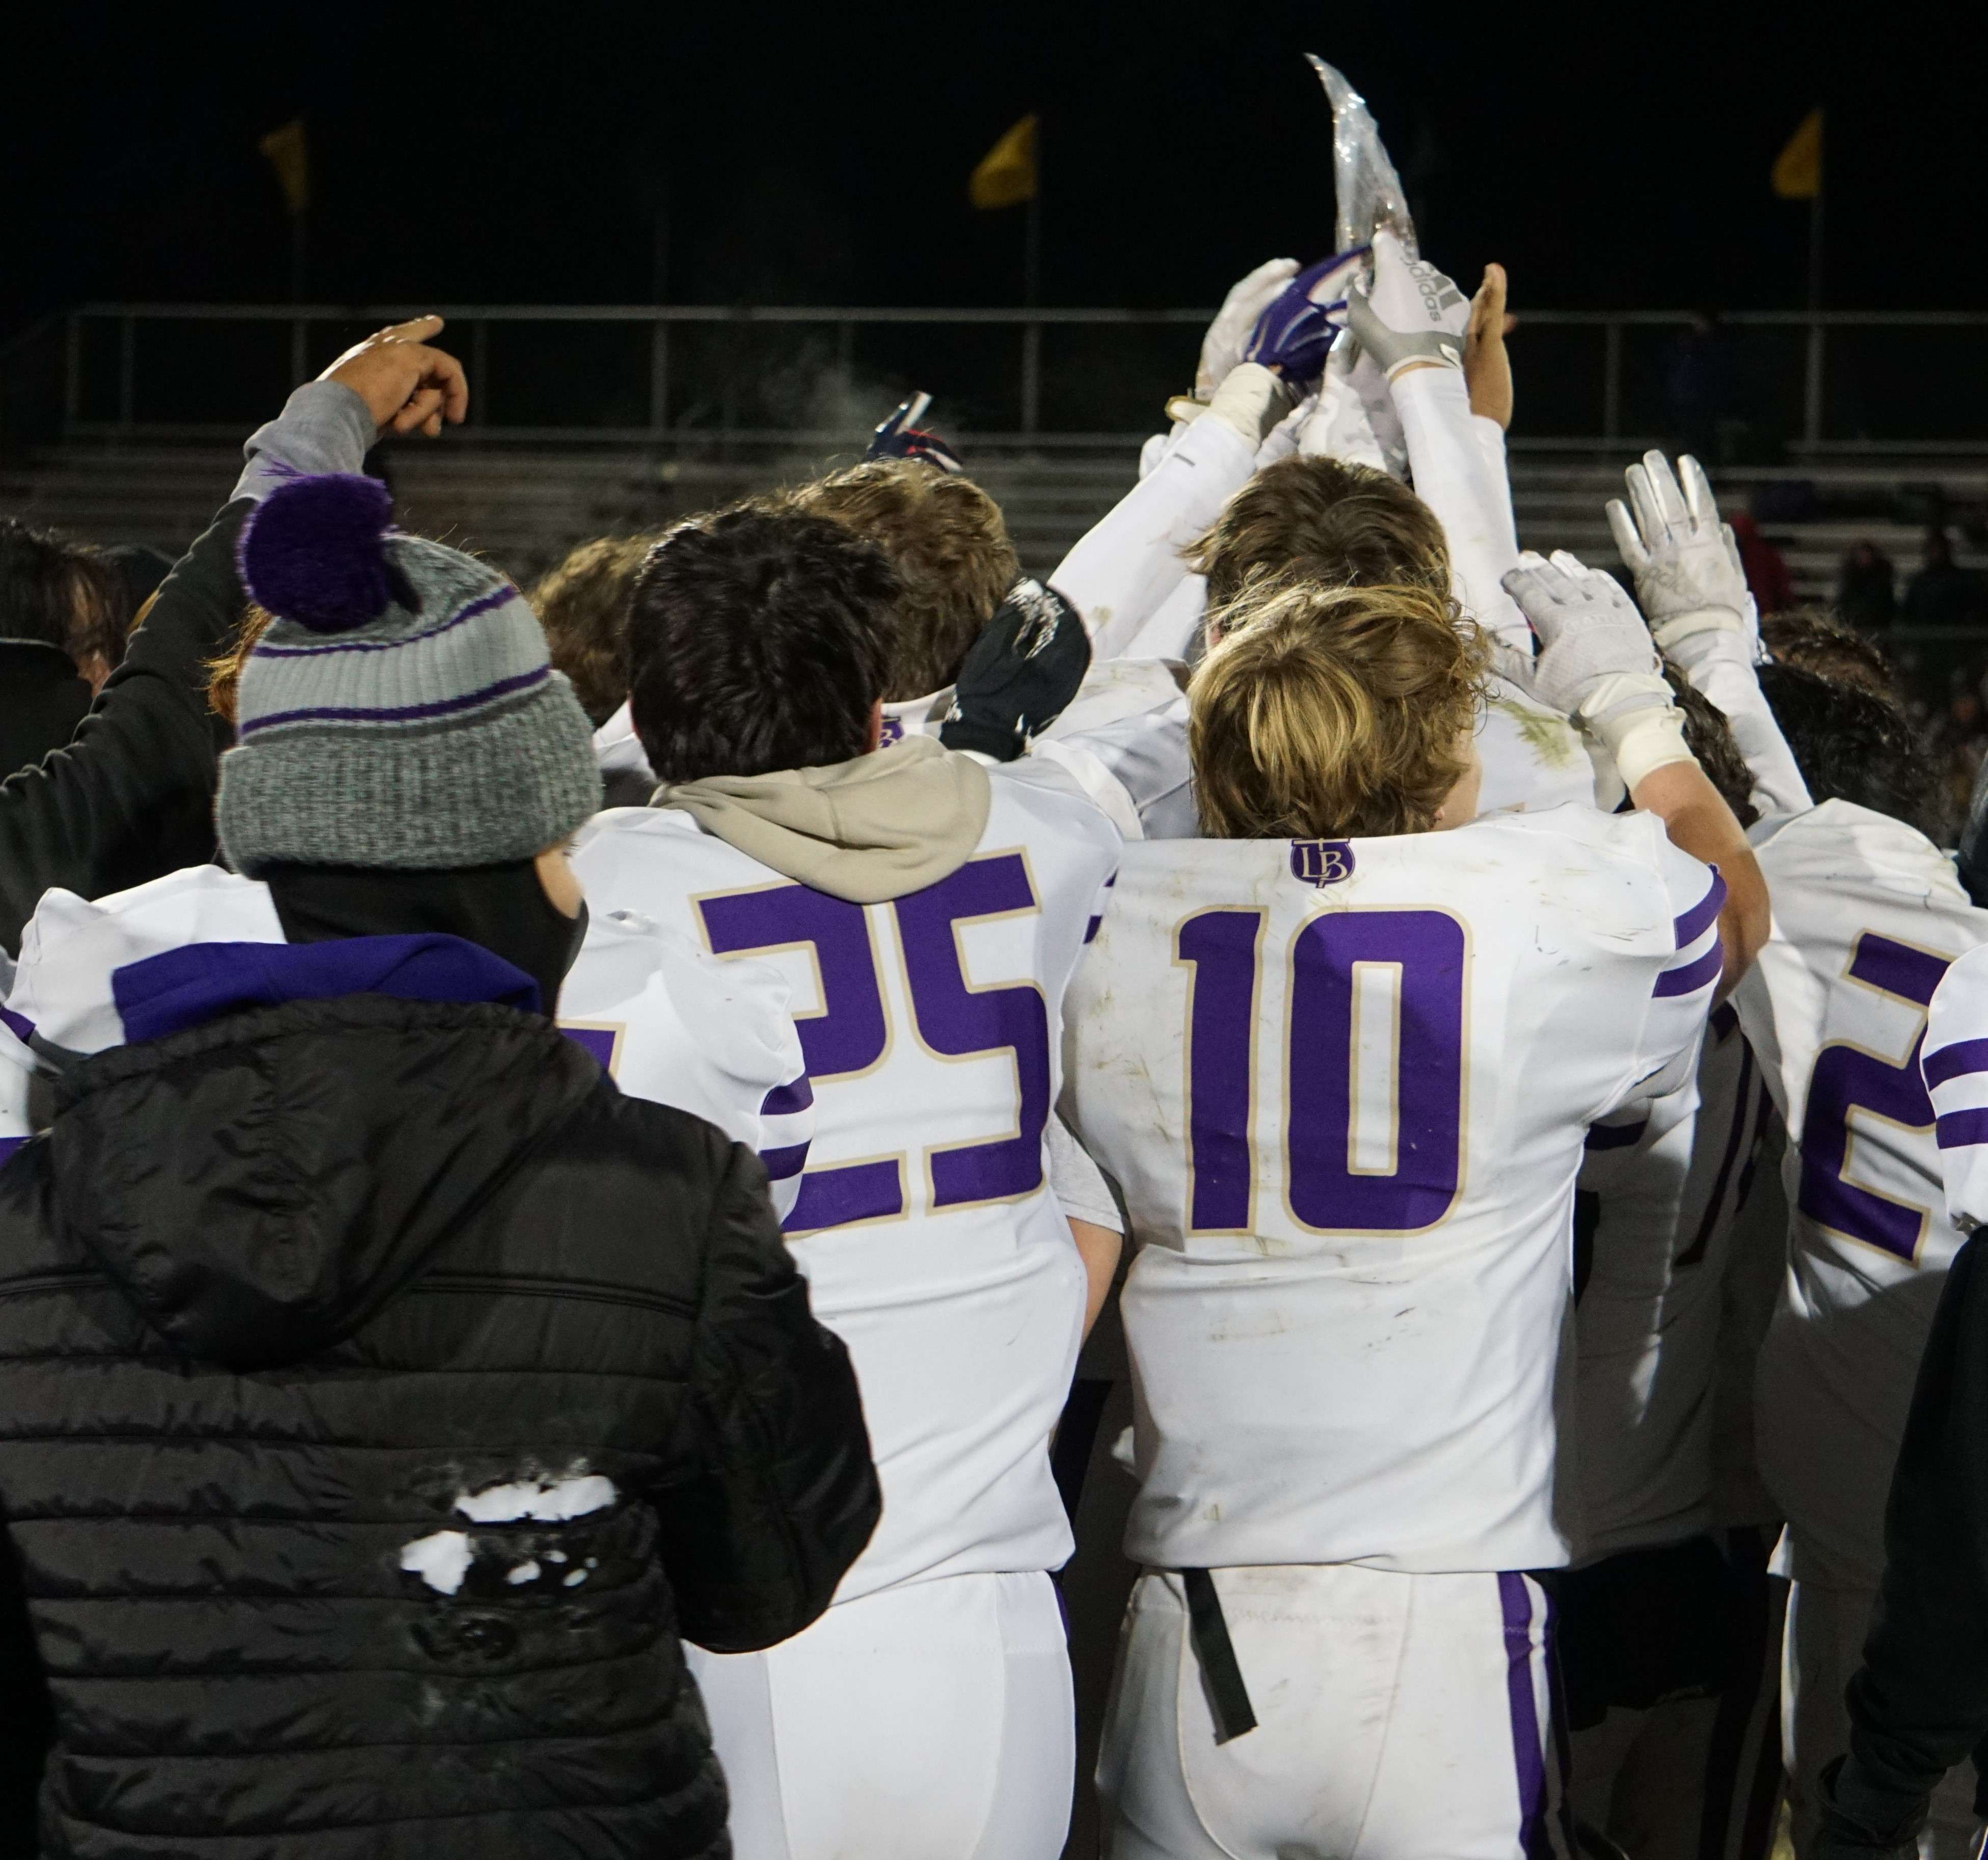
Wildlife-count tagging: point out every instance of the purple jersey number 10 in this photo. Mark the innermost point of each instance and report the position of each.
(1327, 1190)
(1846, 1078)
(850, 1034)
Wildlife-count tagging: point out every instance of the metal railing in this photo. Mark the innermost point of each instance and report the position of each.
(695, 357)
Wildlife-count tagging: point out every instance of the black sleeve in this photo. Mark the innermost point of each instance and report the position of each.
(785, 1496)
(1919, 1702)
(131, 797)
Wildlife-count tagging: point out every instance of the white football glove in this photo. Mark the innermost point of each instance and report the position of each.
(1597, 662)
(1410, 313)
(1229, 335)
(1337, 426)
(1686, 563)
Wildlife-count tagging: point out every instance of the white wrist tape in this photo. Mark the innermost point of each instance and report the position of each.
(1631, 715)
(1676, 626)
(1249, 399)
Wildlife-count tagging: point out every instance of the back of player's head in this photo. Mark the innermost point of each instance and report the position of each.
(1851, 745)
(1338, 524)
(583, 605)
(758, 639)
(1709, 737)
(948, 541)
(1325, 713)
(1813, 639)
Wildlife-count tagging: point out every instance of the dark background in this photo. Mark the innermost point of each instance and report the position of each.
(590, 153)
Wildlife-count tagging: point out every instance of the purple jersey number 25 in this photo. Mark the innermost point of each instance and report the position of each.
(851, 1032)
(1326, 1191)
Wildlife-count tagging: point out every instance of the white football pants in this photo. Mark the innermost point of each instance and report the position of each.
(929, 1722)
(1398, 1718)
(1823, 1647)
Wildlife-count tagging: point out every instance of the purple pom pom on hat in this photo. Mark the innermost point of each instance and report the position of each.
(314, 551)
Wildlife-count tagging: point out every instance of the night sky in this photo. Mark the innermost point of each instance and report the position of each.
(573, 153)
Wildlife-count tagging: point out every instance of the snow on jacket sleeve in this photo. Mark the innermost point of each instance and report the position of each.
(785, 1497)
(131, 797)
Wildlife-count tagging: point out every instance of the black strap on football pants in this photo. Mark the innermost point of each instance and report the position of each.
(1228, 1697)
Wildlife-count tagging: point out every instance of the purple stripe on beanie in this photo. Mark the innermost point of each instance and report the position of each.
(18, 1025)
(483, 605)
(404, 713)
(1527, 1755)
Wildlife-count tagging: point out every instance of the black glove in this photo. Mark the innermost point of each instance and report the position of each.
(1861, 1823)
(1021, 671)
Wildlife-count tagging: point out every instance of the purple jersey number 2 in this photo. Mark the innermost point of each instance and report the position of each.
(1327, 1191)
(850, 1034)
(1846, 1078)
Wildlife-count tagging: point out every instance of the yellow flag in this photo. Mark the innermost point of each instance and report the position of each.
(1798, 167)
(289, 155)
(1006, 175)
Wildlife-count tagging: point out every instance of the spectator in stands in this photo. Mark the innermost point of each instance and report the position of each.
(1866, 590)
(1811, 639)
(583, 605)
(60, 605)
(1767, 578)
(1942, 593)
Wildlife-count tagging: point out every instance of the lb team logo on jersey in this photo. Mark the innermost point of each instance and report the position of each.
(1321, 862)
(892, 730)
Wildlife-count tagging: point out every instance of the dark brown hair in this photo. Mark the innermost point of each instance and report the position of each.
(62, 594)
(758, 639)
(1813, 639)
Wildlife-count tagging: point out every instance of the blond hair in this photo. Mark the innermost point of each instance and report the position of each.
(948, 541)
(583, 605)
(1329, 712)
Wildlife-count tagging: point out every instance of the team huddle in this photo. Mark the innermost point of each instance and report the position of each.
(1440, 1008)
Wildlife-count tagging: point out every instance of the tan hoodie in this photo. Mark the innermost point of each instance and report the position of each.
(886, 824)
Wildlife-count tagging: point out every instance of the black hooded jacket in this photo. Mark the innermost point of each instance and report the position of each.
(381, 1393)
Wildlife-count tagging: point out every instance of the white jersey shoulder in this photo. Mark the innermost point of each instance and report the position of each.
(1868, 916)
(1344, 1087)
(1954, 1066)
(930, 1026)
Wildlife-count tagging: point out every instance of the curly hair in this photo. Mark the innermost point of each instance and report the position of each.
(1852, 745)
(583, 605)
(1813, 639)
(1709, 737)
(758, 639)
(1328, 713)
(1336, 524)
(948, 542)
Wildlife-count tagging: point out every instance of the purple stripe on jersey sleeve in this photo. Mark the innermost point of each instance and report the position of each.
(7, 1146)
(1959, 1128)
(1616, 1136)
(784, 1100)
(18, 1025)
(1950, 1062)
(784, 1164)
(1091, 929)
(1699, 919)
(1528, 1752)
(1694, 976)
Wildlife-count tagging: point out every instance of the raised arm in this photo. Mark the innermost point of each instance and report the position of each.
(131, 796)
(1691, 585)
(1597, 663)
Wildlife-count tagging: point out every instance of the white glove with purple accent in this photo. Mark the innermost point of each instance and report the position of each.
(1409, 314)
(1229, 335)
(1689, 576)
(1597, 663)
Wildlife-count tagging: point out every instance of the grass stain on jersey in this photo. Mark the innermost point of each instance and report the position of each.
(1549, 739)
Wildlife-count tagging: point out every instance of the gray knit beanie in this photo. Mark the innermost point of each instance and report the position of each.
(400, 711)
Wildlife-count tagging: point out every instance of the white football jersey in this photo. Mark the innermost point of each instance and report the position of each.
(1954, 1066)
(1868, 915)
(713, 1039)
(1668, 1177)
(1344, 1086)
(925, 1223)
